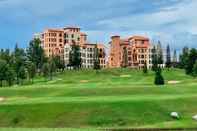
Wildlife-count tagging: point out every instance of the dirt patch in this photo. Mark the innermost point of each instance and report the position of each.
(2, 99)
(84, 81)
(174, 82)
(125, 76)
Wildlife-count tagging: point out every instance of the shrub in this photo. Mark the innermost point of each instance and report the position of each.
(159, 80)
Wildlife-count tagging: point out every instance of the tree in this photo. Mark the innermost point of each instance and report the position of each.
(31, 70)
(45, 70)
(96, 59)
(159, 53)
(175, 61)
(154, 59)
(184, 57)
(195, 69)
(125, 58)
(75, 57)
(22, 74)
(145, 69)
(168, 57)
(19, 58)
(52, 67)
(59, 62)
(159, 80)
(3, 69)
(192, 57)
(35, 54)
(10, 76)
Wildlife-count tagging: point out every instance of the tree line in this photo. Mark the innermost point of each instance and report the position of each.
(188, 61)
(24, 64)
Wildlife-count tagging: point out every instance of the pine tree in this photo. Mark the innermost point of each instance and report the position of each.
(159, 53)
(45, 70)
(3, 69)
(154, 59)
(10, 76)
(96, 58)
(22, 74)
(75, 57)
(174, 62)
(52, 67)
(35, 54)
(159, 80)
(19, 58)
(168, 57)
(184, 57)
(31, 70)
(192, 57)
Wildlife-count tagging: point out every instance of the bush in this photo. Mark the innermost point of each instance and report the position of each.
(159, 80)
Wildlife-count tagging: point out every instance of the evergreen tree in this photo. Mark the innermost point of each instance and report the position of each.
(75, 57)
(10, 76)
(175, 61)
(192, 57)
(159, 80)
(159, 53)
(22, 74)
(31, 70)
(168, 57)
(19, 59)
(35, 54)
(184, 57)
(96, 59)
(3, 69)
(59, 62)
(154, 59)
(52, 67)
(195, 69)
(125, 58)
(45, 70)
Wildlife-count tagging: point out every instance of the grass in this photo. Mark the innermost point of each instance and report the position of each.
(86, 99)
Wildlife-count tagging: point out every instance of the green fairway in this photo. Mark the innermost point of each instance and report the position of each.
(119, 98)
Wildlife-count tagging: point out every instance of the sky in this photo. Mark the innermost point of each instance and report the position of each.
(172, 22)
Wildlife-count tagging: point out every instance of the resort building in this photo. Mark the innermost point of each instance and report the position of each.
(60, 41)
(53, 42)
(87, 52)
(137, 50)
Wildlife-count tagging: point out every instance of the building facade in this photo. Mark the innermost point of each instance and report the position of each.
(136, 47)
(53, 42)
(58, 42)
(87, 52)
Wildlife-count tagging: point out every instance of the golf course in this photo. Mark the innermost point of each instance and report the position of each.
(110, 98)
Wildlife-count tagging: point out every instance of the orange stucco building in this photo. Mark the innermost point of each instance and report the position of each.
(137, 48)
(53, 42)
(58, 42)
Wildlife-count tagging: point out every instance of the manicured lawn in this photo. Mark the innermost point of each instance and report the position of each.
(117, 98)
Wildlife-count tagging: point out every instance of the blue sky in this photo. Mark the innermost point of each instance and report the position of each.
(171, 21)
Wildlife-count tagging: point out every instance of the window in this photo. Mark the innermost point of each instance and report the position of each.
(129, 53)
(72, 35)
